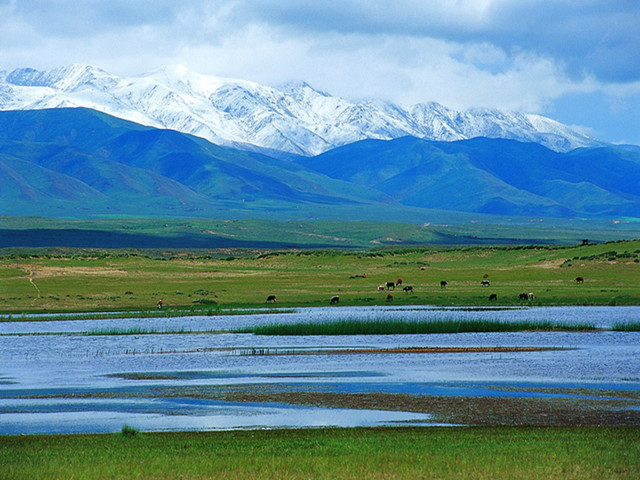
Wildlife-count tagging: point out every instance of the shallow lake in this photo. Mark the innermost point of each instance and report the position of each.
(53, 379)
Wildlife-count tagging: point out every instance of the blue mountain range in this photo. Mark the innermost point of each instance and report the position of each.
(77, 162)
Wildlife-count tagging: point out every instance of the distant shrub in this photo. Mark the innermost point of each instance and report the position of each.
(205, 301)
(129, 431)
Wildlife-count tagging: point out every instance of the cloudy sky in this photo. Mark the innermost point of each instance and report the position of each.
(577, 61)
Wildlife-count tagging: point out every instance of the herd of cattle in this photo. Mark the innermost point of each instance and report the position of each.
(524, 296)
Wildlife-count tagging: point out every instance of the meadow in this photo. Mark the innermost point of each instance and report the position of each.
(94, 280)
(375, 453)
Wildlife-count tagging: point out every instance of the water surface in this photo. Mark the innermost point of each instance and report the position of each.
(66, 382)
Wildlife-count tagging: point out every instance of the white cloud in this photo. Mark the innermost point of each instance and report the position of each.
(508, 54)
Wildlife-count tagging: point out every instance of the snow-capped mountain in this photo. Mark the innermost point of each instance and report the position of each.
(294, 118)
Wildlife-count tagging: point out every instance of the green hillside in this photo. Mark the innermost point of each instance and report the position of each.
(79, 163)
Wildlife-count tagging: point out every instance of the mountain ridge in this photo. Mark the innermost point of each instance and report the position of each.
(78, 162)
(294, 118)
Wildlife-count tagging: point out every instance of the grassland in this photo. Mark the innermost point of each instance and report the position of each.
(444, 229)
(375, 453)
(73, 280)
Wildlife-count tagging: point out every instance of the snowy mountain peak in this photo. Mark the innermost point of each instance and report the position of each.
(294, 118)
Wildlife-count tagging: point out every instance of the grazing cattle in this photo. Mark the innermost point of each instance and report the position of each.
(523, 296)
(493, 296)
(531, 296)
(391, 285)
(485, 283)
(399, 282)
(381, 288)
(271, 299)
(335, 299)
(443, 284)
(579, 279)
(389, 297)
(408, 289)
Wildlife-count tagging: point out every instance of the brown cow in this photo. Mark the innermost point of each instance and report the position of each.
(389, 297)
(579, 279)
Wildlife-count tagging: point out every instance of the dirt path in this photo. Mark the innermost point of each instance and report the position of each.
(31, 274)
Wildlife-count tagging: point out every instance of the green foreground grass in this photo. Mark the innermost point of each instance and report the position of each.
(389, 453)
(85, 280)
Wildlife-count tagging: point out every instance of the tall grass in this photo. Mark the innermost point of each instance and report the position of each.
(395, 327)
(131, 331)
(164, 313)
(129, 431)
(626, 326)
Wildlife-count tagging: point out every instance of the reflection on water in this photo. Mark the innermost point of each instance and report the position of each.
(75, 383)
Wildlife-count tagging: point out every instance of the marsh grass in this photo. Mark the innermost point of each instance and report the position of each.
(129, 431)
(133, 331)
(633, 326)
(399, 327)
(165, 313)
(586, 453)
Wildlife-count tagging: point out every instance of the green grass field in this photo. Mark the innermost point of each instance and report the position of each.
(442, 228)
(103, 280)
(374, 453)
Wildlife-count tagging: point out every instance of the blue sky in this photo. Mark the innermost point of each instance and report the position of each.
(574, 61)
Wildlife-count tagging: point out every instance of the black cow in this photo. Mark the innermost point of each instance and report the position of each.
(391, 285)
(493, 296)
(443, 284)
(408, 289)
(335, 299)
(485, 283)
(523, 296)
(271, 299)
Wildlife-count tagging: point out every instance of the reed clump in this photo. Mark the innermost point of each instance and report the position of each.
(626, 327)
(399, 327)
(129, 431)
(133, 331)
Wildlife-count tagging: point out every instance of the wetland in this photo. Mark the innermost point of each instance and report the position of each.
(198, 373)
